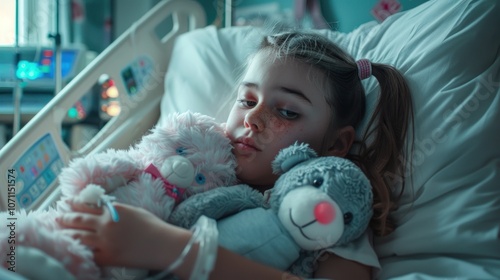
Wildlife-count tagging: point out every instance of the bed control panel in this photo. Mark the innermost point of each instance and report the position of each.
(136, 76)
(36, 170)
(139, 74)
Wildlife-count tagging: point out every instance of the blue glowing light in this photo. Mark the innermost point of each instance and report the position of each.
(27, 70)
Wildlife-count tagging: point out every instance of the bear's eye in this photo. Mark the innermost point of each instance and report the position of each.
(180, 151)
(200, 179)
(347, 218)
(317, 182)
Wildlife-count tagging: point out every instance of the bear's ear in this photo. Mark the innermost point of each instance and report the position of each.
(291, 156)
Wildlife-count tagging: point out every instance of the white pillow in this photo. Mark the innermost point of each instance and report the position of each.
(449, 219)
(449, 223)
(202, 72)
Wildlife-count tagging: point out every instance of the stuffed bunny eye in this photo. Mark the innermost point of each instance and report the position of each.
(180, 151)
(317, 182)
(200, 179)
(347, 218)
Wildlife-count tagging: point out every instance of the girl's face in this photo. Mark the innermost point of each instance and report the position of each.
(279, 102)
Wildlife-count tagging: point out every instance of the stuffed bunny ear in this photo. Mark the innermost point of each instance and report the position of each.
(291, 156)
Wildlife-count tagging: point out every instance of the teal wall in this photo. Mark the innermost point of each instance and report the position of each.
(210, 7)
(342, 15)
(346, 15)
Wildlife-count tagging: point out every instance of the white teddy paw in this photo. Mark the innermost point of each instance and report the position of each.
(91, 194)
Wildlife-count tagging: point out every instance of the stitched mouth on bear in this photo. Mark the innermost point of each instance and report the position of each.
(303, 226)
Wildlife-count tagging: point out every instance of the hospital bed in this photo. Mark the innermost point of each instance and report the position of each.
(449, 51)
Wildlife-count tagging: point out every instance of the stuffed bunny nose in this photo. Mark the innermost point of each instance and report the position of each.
(324, 213)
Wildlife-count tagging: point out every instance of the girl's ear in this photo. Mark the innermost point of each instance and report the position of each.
(342, 143)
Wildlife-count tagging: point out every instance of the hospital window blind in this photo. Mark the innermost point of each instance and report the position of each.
(8, 22)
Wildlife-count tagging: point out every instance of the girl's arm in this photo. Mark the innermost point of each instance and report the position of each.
(337, 268)
(142, 240)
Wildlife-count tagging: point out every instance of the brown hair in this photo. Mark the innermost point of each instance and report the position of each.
(383, 149)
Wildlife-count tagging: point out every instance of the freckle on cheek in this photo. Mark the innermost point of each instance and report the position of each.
(278, 125)
(274, 130)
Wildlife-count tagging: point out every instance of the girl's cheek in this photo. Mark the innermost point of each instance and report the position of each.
(275, 129)
(234, 120)
(279, 125)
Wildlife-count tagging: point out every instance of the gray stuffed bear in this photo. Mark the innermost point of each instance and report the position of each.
(316, 203)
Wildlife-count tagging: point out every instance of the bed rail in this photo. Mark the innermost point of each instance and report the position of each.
(23, 185)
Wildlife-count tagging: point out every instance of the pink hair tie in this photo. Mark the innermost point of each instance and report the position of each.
(364, 68)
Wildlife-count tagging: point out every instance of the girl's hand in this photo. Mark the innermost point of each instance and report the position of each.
(139, 239)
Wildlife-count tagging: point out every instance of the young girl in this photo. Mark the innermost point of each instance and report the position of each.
(296, 87)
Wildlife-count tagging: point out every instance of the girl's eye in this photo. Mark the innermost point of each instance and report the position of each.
(200, 179)
(246, 103)
(288, 114)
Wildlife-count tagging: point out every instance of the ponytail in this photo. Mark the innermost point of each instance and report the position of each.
(385, 157)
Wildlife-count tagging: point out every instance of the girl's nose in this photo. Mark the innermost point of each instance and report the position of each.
(254, 119)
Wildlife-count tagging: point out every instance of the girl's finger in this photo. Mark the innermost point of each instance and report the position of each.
(76, 220)
(86, 208)
(87, 238)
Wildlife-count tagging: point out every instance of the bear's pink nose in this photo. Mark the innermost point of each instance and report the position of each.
(324, 212)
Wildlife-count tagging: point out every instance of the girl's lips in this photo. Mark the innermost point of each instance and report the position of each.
(244, 148)
(245, 145)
